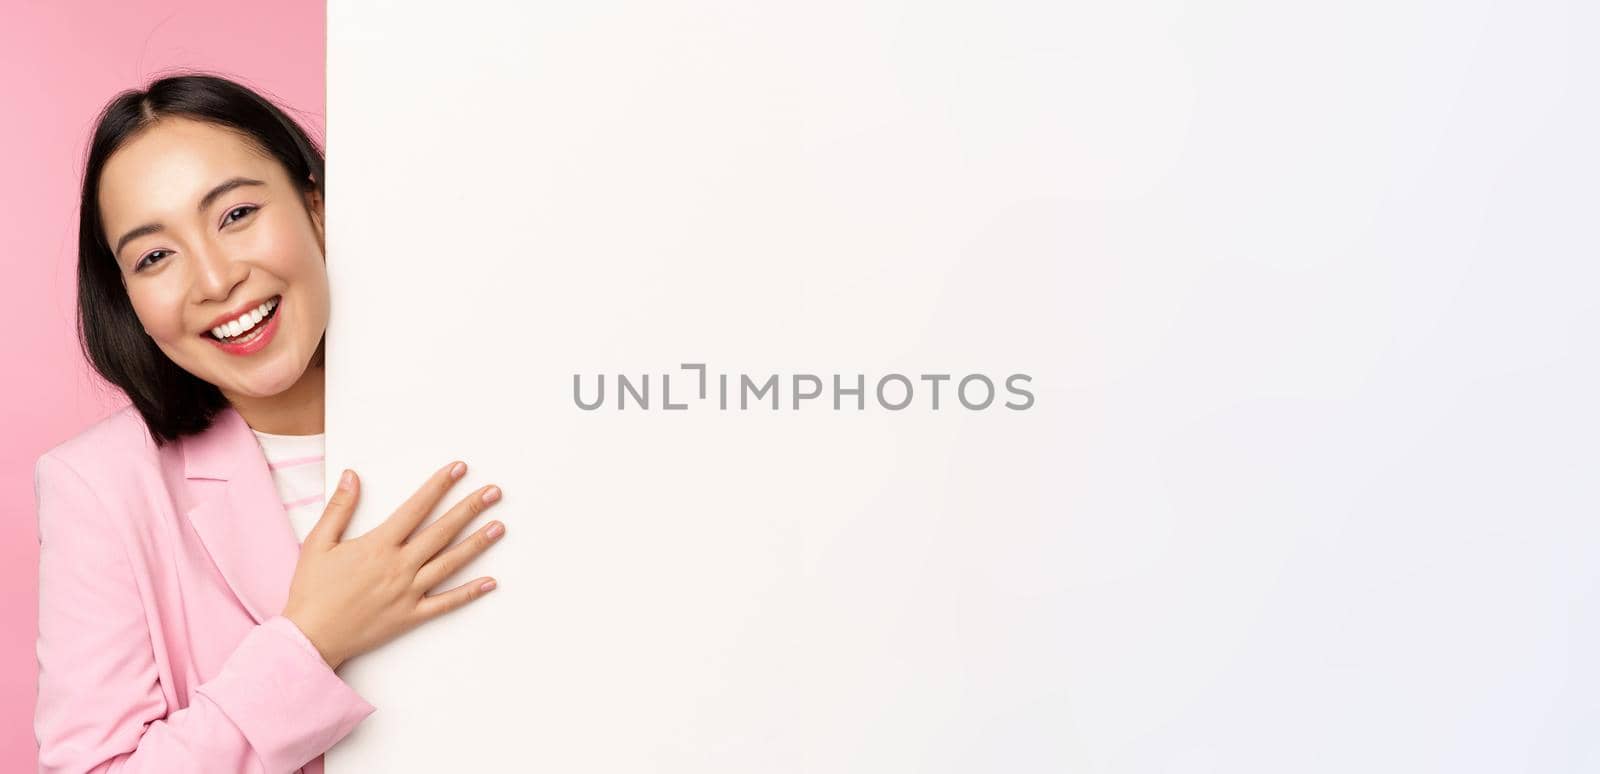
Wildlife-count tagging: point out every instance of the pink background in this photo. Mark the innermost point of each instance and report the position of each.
(62, 61)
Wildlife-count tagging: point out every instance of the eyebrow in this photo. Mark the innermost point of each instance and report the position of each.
(205, 201)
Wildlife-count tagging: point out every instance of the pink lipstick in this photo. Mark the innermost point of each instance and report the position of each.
(256, 340)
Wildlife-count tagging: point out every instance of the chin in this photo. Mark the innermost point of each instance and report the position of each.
(267, 379)
(265, 385)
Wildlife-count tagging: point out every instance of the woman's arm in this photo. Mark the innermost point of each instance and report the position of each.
(274, 705)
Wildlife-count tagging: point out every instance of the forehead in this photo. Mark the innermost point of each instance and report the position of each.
(163, 171)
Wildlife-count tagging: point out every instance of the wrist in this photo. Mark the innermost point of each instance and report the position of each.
(329, 655)
(333, 659)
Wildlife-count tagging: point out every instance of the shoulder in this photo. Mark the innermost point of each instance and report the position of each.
(120, 435)
(112, 450)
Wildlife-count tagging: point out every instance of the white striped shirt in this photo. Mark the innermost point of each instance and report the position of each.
(296, 462)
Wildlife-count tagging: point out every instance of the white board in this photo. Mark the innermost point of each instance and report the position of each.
(1305, 296)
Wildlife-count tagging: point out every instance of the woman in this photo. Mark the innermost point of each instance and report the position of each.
(183, 624)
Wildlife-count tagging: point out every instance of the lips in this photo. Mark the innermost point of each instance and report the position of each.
(272, 301)
(254, 341)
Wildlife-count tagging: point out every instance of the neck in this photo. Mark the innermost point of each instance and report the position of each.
(295, 411)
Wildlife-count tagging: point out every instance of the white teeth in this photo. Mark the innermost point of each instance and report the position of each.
(245, 321)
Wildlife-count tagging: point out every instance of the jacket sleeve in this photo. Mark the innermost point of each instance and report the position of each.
(273, 706)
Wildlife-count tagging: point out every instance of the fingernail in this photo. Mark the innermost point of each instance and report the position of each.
(346, 480)
(491, 494)
(458, 470)
(495, 530)
(487, 586)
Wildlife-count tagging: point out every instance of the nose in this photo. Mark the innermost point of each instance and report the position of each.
(216, 273)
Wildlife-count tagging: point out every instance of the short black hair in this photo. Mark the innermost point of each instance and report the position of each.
(172, 401)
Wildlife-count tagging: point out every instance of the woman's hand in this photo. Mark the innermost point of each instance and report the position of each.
(350, 596)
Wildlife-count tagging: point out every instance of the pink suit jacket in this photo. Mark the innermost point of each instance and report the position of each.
(162, 576)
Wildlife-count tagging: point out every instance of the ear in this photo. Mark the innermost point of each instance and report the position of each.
(314, 207)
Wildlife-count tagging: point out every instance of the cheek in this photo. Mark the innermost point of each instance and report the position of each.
(160, 311)
(292, 254)
(286, 248)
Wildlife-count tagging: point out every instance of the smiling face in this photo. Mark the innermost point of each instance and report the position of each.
(206, 228)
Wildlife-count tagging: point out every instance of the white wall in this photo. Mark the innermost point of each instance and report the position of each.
(1306, 292)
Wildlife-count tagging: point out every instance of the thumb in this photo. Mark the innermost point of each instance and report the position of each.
(329, 529)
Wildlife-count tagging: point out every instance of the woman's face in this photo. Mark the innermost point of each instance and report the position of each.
(205, 228)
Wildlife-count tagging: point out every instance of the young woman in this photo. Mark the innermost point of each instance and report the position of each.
(195, 598)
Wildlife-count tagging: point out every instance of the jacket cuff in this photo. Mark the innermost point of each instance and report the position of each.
(283, 697)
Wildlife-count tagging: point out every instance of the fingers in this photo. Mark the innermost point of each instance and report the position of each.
(443, 602)
(329, 529)
(446, 564)
(421, 547)
(399, 526)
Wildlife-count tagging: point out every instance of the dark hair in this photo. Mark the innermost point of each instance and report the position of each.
(172, 401)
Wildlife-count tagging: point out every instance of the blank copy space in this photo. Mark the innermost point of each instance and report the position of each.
(1305, 295)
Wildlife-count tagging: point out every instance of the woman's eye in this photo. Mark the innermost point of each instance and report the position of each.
(147, 259)
(240, 211)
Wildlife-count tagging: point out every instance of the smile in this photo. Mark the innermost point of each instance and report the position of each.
(250, 332)
(244, 323)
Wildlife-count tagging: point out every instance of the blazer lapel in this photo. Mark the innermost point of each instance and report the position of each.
(238, 514)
